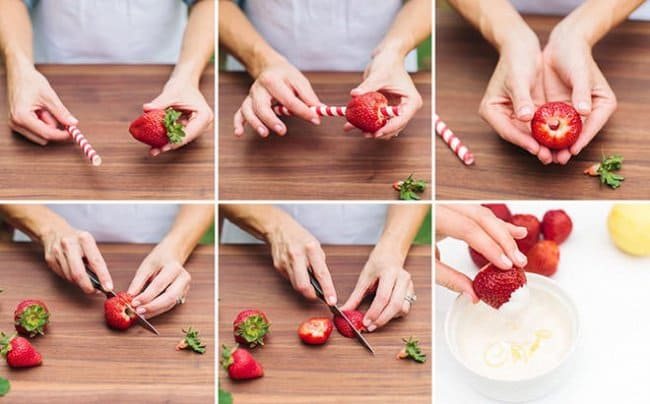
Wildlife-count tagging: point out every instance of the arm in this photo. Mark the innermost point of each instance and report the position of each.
(182, 89)
(275, 78)
(163, 268)
(35, 110)
(384, 270)
(293, 248)
(65, 247)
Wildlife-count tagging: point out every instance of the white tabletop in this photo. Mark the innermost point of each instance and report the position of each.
(611, 290)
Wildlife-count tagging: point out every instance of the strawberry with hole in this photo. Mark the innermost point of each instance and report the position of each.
(19, 352)
(543, 258)
(240, 364)
(316, 330)
(31, 318)
(501, 211)
(556, 226)
(117, 312)
(495, 286)
(158, 127)
(556, 125)
(364, 111)
(531, 224)
(251, 327)
(355, 317)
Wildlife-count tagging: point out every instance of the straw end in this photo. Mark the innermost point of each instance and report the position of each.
(96, 161)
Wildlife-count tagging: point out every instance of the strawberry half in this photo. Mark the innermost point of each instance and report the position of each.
(364, 111)
(495, 286)
(240, 364)
(19, 352)
(556, 125)
(31, 318)
(355, 317)
(117, 313)
(556, 226)
(158, 127)
(531, 224)
(250, 327)
(315, 331)
(543, 258)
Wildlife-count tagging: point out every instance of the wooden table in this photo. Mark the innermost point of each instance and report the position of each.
(465, 63)
(105, 99)
(341, 371)
(85, 361)
(319, 162)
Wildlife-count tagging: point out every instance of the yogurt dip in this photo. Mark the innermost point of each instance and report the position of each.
(521, 341)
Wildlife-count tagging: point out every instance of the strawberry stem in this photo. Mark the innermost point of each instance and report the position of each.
(175, 131)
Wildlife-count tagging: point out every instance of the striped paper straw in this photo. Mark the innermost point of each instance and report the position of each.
(88, 150)
(326, 110)
(453, 141)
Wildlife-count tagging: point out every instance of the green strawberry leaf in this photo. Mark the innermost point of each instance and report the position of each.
(410, 188)
(413, 351)
(192, 341)
(4, 386)
(607, 165)
(175, 130)
(225, 397)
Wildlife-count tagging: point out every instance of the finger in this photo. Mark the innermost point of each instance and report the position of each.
(74, 257)
(316, 259)
(54, 105)
(406, 305)
(453, 280)
(281, 92)
(301, 277)
(504, 126)
(522, 102)
(358, 294)
(157, 103)
(251, 119)
(238, 123)
(397, 299)
(196, 126)
(96, 260)
(46, 117)
(262, 109)
(366, 86)
(581, 93)
(162, 280)
(305, 91)
(145, 271)
(347, 127)
(563, 156)
(517, 232)
(169, 299)
(500, 233)
(32, 137)
(545, 156)
(30, 122)
(594, 123)
(382, 297)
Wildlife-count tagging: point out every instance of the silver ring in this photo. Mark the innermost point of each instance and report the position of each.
(410, 298)
(180, 300)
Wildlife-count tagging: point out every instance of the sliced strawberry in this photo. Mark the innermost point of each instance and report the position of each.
(315, 331)
(355, 317)
(556, 125)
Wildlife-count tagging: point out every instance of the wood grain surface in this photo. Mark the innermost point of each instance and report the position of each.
(341, 371)
(105, 99)
(86, 362)
(322, 162)
(465, 63)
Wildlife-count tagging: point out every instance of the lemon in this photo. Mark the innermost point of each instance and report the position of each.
(629, 228)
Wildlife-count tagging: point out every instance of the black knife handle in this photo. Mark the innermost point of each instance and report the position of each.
(316, 285)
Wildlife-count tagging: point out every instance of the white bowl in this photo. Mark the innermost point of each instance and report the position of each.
(525, 389)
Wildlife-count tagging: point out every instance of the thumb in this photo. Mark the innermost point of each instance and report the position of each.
(453, 280)
(365, 87)
(522, 102)
(581, 94)
(357, 295)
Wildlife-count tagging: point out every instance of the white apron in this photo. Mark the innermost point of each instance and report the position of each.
(564, 7)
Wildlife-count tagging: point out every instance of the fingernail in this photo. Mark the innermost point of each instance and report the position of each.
(140, 310)
(135, 303)
(583, 106)
(315, 121)
(506, 260)
(379, 134)
(366, 322)
(331, 300)
(261, 130)
(76, 121)
(525, 111)
(166, 147)
(155, 152)
(521, 258)
(109, 286)
(372, 328)
(278, 128)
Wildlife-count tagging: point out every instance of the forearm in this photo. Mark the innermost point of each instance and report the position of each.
(34, 220)
(191, 223)
(198, 43)
(411, 26)
(15, 34)
(401, 227)
(241, 39)
(258, 220)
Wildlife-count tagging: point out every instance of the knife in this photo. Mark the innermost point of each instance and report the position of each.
(337, 312)
(141, 320)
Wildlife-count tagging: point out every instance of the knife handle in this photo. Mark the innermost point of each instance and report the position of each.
(316, 285)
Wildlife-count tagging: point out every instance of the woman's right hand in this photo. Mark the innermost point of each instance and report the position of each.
(35, 110)
(278, 82)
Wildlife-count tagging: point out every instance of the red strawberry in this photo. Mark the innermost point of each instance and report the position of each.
(543, 258)
(117, 313)
(240, 364)
(556, 125)
(250, 327)
(315, 331)
(364, 111)
(500, 210)
(19, 352)
(158, 127)
(495, 286)
(31, 317)
(556, 226)
(477, 257)
(531, 223)
(355, 317)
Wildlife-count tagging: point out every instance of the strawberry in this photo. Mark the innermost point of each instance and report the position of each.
(495, 286)
(19, 352)
(158, 127)
(364, 111)
(531, 223)
(411, 350)
(355, 317)
(543, 258)
(117, 312)
(556, 125)
(240, 364)
(500, 210)
(250, 327)
(315, 331)
(556, 226)
(31, 317)
(191, 341)
(477, 257)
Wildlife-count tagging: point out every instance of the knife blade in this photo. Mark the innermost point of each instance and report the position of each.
(337, 312)
(141, 320)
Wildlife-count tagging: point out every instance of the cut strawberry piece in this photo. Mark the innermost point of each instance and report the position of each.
(315, 331)
(556, 125)
(355, 317)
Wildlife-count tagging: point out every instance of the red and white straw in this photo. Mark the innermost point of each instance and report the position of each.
(88, 150)
(326, 110)
(453, 141)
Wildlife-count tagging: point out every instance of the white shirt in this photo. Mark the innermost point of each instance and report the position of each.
(125, 223)
(564, 7)
(343, 224)
(108, 31)
(336, 35)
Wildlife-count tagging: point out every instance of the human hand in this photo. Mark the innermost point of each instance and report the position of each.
(572, 75)
(160, 283)
(184, 96)
(277, 82)
(35, 110)
(386, 74)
